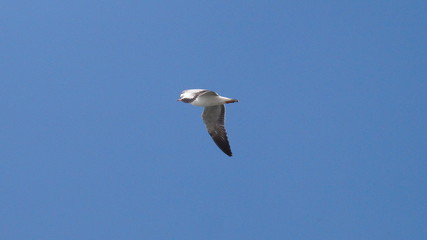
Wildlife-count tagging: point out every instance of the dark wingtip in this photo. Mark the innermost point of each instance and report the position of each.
(224, 146)
(225, 149)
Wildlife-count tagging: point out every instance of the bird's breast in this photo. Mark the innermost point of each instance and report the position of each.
(203, 101)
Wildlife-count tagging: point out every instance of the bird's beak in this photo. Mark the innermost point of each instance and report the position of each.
(179, 99)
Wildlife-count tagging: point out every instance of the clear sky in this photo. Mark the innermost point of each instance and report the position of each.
(329, 136)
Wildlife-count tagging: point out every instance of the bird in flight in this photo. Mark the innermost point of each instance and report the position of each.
(213, 115)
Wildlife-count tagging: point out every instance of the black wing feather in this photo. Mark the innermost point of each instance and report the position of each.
(214, 119)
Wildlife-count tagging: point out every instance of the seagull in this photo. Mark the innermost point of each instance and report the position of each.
(213, 115)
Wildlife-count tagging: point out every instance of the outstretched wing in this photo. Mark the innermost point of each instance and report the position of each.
(214, 119)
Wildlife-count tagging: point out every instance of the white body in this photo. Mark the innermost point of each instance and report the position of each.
(207, 101)
(206, 98)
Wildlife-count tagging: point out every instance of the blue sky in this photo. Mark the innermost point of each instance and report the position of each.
(329, 136)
